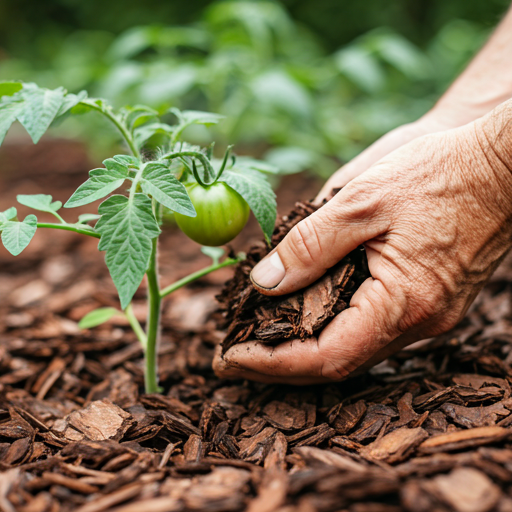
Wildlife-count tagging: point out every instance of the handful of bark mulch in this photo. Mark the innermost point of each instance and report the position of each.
(300, 315)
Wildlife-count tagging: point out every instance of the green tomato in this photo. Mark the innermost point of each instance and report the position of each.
(221, 214)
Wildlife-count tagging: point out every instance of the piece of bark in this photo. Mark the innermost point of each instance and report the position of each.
(395, 446)
(344, 418)
(472, 417)
(466, 490)
(283, 416)
(464, 439)
(99, 421)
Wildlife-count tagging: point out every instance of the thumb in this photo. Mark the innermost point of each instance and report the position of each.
(320, 241)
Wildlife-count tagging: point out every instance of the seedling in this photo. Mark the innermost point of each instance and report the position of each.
(209, 197)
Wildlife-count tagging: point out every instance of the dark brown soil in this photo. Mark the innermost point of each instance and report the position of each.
(249, 314)
(428, 430)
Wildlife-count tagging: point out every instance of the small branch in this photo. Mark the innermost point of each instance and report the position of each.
(137, 329)
(196, 275)
(122, 129)
(69, 227)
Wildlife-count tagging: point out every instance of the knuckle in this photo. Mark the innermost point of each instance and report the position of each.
(305, 242)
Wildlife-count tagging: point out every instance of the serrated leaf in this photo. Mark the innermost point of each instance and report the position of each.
(10, 108)
(70, 101)
(9, 88)
(158, 181)
(17, 235)
(87, 217)
(39, 109)
(101, 183)
(127, 161)
(41, 202)
(97, 317)
(127, 227)
(258, 193)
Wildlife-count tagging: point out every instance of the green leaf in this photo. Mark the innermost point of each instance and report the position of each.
(188, 117)
(127, 227)
(143, 133)
(97, 317)
(9, 88)
(101, 183)
(215, 253)
(9, 214)
(126, 160)
(39, 110)
(70, 101)
(258, 193)
(245, 162)
(158, 181)
(41, 202)
(137, 115)
(87, 217)
(17, 235)
(10, 108)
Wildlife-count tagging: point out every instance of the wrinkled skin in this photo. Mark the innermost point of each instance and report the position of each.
(435, 216)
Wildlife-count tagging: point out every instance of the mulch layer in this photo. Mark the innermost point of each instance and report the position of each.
(428, 430)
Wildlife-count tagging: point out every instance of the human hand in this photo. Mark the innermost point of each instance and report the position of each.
(432, 122)
(435, 217)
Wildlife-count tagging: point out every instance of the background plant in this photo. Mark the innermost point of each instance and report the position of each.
(305, 85)
(128, 225)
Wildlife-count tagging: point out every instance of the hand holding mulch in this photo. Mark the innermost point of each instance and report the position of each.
(435, 217)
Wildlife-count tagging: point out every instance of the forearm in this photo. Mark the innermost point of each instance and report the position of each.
(485, 83)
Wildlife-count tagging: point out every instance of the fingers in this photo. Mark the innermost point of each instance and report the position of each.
(350, 340)
(321, 240)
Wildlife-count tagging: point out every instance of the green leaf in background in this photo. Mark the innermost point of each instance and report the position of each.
(188, 117)
(41, 202)
(10, 108)
(39, 109)
(127, 227)
(258, 193)
(102, 182)
(87, 217)
(290, 159)
(9, 88)
(97, 317)
(17, 235)
(158, 181)
(246, 162)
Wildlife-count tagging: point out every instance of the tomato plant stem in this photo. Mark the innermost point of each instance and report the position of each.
(69, 227)
(122, 129)
(153, 322)
(135, 325)
(196, 275)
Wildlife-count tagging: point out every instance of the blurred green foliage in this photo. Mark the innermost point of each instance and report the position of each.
(306, 84)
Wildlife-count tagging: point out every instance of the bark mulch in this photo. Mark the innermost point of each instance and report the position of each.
(428, 430)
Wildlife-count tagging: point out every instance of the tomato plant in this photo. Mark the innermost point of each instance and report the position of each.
(217, 200)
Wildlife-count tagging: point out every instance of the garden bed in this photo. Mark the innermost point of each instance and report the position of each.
(427, 430)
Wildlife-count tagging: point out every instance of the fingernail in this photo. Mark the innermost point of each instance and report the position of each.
(269, 272)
